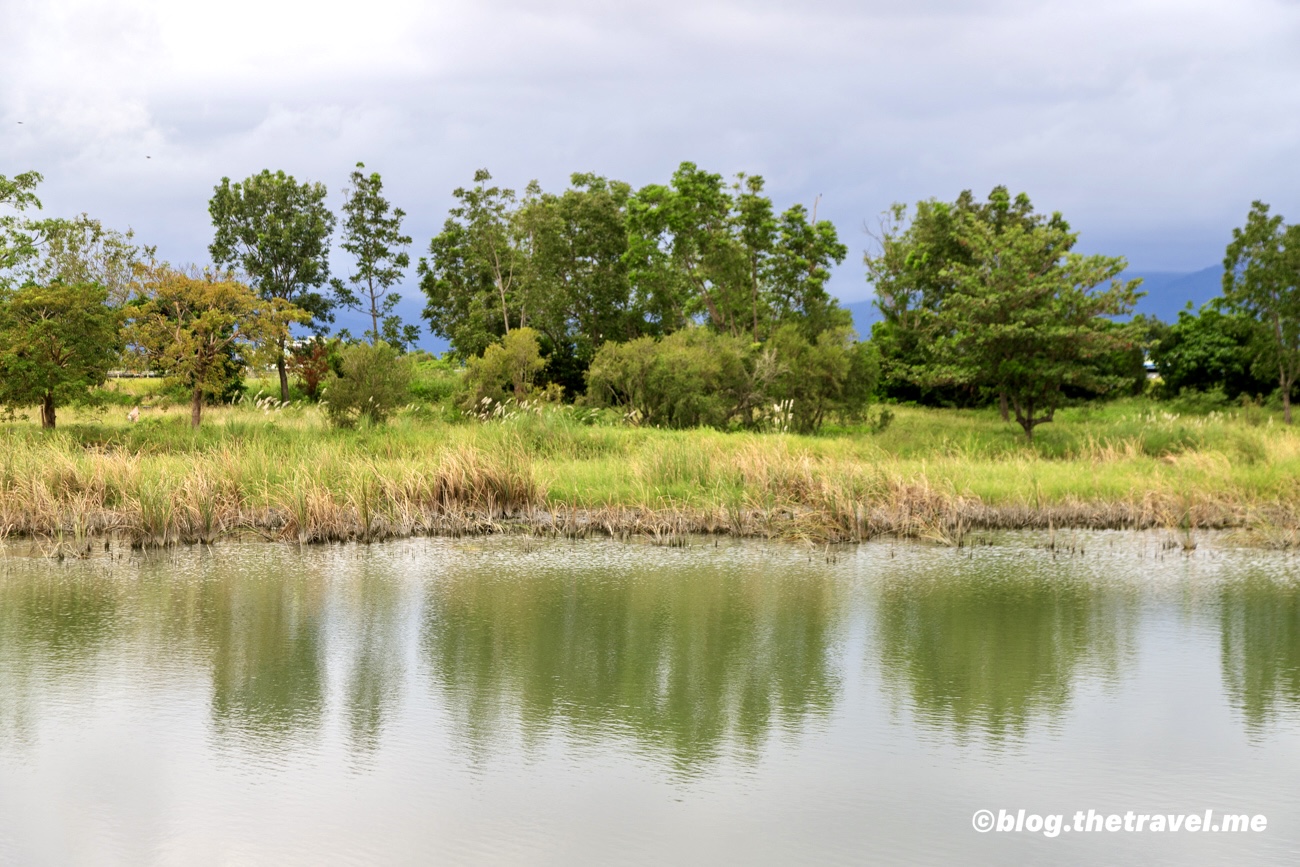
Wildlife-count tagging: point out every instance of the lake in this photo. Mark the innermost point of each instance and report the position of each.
(506, 700)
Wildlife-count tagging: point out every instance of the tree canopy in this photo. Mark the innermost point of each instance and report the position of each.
(600, 262)
(276, 231)
(1261, 279)
(57, 342)
(372, 234)
(185, 324)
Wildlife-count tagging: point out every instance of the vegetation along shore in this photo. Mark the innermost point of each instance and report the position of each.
(659, 361)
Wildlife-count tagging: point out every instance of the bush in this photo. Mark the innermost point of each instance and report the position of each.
(505, 370)
(832, 374)
(375, 381)
(691, 378)
(433, 380)
(695, 377)
(312, 362)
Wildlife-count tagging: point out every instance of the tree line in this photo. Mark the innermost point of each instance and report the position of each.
(692, 302)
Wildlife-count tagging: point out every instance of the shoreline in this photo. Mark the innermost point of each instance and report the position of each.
(284, 475)
(952, 525)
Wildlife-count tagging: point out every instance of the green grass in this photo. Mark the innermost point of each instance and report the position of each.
(284, 473)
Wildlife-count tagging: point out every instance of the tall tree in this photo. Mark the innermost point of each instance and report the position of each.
(1025, 318)
(277, 232)
(84, 250)
(471, 275)
(1261, 278)
(16, 241)
(802, 255)
(372, 233)
(911, 274)
(574, 273)
(187, 325)
(681, 241)
(57, 342)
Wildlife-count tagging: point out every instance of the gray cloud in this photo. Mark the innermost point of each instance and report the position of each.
(1150, 123)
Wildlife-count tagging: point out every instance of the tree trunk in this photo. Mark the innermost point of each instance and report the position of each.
(374, 314)
(505, 312)
(196, 408)
(284, 375)
(1002, 406)
(1286, 402)
(47, 411)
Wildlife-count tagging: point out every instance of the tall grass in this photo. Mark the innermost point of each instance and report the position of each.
(934, 474)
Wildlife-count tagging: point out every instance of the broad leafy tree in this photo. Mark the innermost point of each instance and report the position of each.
(575, 272)
(84, 250)
(912, 273)
(1212, 350)
(372, 233)
(17, 244)
(1025, 318)
(471, 277)
(187, 325)
(276, 231)
(1261, 278)
(57, 342)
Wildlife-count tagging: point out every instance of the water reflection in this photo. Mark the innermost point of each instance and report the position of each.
(992, 648)
(687, 663)
(50, 625)
(265, 646)
(1260, 647)
(373, 643)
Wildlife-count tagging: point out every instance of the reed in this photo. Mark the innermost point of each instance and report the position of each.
(932, 475)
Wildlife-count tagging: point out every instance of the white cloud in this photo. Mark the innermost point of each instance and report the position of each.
(1150, 123)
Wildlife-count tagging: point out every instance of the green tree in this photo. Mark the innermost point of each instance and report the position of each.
(372, 233)
(1211, 350)
(84, 250)
(277, 232)
(187, 324)
(1261, 278)
(471, 275)
(1024, 318)
(574, 268)
(16, 242)
(911, 275)
(373, 381)
(506, 369)
(57, 342)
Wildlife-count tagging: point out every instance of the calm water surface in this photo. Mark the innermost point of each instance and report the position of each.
(507, 701)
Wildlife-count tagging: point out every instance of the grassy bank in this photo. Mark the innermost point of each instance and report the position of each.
(939, 474)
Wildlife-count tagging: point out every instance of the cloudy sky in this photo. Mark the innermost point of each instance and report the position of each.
(1151, 124)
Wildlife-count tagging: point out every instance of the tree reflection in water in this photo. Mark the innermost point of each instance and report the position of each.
(688, 663)
(1260, 648)
(993, 648)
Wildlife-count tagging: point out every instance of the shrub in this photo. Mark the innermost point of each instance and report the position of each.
(312, 362)
(832, 374)
(691, 378)
(505, 370)
(695, 377)
(375, 381)
(433, 380)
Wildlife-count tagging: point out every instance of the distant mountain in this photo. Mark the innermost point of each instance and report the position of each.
(1167, 292)
(864, 315)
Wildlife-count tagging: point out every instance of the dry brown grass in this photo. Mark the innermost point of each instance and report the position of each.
(287, 477)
